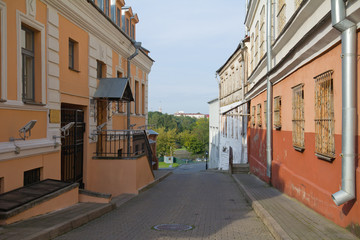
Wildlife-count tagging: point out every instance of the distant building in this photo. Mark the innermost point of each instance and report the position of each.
(194, 115)
(214, 134)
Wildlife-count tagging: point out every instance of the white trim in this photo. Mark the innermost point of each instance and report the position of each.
(3, 32)
(27, 148)
(19, 105)
(22, 18)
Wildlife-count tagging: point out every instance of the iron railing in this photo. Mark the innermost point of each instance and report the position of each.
(122, 144)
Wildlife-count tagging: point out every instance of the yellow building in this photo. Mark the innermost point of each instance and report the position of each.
(65, 64)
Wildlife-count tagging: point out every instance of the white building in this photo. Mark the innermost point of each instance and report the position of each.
(214, 133)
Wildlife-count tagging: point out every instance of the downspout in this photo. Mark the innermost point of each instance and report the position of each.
(348, 68)
(137, 45)
(269, 92)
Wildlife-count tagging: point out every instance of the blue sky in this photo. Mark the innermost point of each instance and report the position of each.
(189, 40)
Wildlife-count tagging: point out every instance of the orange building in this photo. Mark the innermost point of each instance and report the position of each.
(310, 150)
(67, 67)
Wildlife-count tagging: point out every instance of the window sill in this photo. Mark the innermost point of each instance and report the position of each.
(299, 149)
(73, 69)
(33, 103)
(324, 157)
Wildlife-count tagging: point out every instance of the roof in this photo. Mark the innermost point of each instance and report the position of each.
(214, 100)
(114, 89)
(152, 132)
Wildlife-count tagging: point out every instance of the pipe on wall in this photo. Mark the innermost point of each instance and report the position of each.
(269, 91)
(348, 68)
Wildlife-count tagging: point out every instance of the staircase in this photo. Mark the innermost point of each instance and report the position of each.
(239, 168)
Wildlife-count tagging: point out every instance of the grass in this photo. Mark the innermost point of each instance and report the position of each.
(167, 165)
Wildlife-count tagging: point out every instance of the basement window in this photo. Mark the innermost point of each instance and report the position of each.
(324, 117)
(32, 176)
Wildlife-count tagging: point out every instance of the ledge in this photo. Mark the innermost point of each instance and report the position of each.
(325, 157)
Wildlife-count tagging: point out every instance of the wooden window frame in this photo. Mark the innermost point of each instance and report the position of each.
(253, 115)
(277, 112)
(324, 117)
(298, 118)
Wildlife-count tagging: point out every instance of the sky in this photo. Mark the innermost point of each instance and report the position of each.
(189, 41)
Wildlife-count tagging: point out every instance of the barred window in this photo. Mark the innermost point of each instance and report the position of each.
(258, 114)
(298, 117)
(324, 116)
(265, 117)
(253, 115)
(277, 112)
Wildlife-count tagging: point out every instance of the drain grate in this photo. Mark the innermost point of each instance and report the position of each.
(173, 227)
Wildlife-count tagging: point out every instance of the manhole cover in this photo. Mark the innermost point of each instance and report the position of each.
(173, 227)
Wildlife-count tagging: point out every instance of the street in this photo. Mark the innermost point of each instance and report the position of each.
(208, 204)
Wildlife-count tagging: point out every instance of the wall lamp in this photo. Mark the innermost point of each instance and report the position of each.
(22, 134)
(65, 131)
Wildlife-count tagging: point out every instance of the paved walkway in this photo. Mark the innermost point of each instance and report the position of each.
(211, 202)
(287, 218)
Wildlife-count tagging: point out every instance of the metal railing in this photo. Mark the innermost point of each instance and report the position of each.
(120, 144)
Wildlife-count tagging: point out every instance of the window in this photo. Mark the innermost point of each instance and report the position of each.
(281, 16)
(133, 31)
(118, 16)
(298, 117)
(258, 113)
(137, 95)
(324, 116)
(73, 55)
(107, 8)
(101, 4)
(32, 176)
(143, 99)
(119, 74)
(1, 185)
(265, 111)
(101, 69)
(28, 64)
(253, 115)
(127, 26)
(277, 113)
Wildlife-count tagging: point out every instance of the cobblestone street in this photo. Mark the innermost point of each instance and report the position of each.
(209, 201)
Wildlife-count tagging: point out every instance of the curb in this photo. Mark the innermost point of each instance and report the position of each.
(276, 230)
(153, 183)
(71, 224)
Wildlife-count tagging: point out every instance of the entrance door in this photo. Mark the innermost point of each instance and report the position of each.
(72, 146)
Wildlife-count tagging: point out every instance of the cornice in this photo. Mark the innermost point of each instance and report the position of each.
(87, 17)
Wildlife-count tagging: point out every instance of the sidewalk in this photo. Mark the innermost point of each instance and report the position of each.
(286, 218)
(54, 224)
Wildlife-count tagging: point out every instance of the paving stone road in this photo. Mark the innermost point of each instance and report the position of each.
(209, 201)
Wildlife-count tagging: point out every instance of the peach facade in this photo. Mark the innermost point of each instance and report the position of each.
(304, 47)
(49, 61)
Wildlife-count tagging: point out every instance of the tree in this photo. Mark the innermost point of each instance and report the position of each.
(165, 141)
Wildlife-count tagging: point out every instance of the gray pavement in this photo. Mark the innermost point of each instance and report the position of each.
(285, 217)
(211, 202)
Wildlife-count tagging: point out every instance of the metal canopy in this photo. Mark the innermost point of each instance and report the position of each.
(114, 89)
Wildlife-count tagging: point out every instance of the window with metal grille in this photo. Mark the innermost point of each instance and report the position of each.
(298, 118)
(277, 112)
(324, 116)
(281, 16)
(258, 114)
(32, 176)
(253, 115)
(265, 117)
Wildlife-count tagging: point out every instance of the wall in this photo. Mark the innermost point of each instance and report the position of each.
(303, 175)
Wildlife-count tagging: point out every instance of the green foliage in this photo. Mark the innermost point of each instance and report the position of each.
(189, 132)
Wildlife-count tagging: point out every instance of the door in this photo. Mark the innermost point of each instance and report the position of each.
(72, 146)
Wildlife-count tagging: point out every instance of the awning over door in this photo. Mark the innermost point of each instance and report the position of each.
(114, 89)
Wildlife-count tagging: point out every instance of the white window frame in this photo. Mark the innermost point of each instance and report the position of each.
(24, 19)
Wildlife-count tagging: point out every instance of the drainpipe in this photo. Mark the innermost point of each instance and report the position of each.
(137, 45)
(348, 69)
(269, 92)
